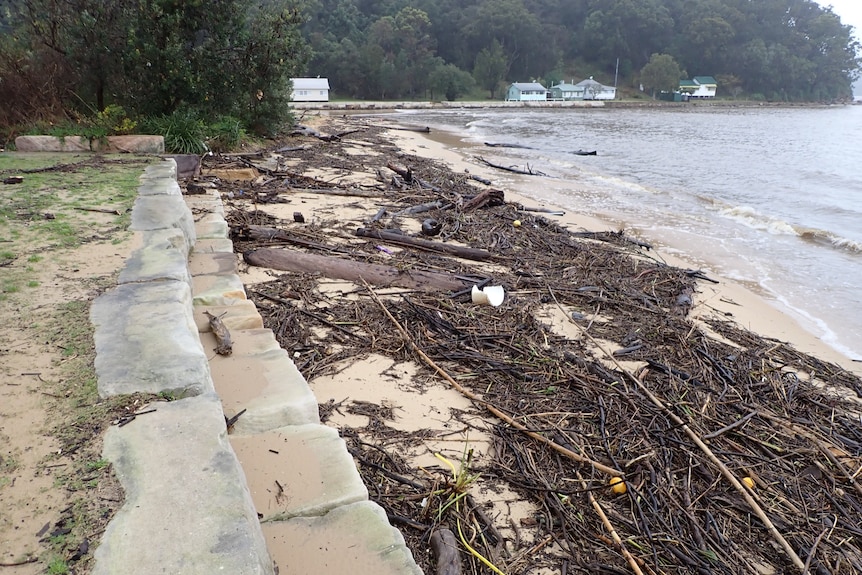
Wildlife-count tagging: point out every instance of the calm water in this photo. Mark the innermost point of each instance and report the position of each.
(770, 197)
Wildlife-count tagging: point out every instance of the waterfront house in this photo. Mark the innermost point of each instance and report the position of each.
(526, 92)
(699, 87)
(564, 91)
(589, 89)
(310, 90)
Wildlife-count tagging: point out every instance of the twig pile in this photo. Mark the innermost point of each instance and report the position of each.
(697, 404)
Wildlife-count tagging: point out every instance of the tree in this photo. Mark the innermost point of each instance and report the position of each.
(153, 57)
(661, 73)
(451, 81)
(490, 67)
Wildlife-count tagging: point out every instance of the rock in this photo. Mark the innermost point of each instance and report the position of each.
(52, 144)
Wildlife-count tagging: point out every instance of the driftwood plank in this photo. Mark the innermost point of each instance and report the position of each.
(339, 268)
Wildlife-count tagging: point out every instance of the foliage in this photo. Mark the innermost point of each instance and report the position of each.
(451, 81)
(785, 49)
(154, 57)
(183, 130)
(661, 74)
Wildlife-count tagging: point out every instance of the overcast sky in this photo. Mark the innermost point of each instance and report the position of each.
(850, 12)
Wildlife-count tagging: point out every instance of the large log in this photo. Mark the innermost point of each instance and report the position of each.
(338, 268)
(427, 245)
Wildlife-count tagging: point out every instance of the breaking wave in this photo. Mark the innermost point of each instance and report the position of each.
(754, 219)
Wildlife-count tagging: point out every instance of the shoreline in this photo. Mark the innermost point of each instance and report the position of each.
(729, 299)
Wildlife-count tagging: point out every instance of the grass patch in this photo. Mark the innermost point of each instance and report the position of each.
(81, 420)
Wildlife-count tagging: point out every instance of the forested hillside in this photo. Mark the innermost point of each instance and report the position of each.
(775, 49)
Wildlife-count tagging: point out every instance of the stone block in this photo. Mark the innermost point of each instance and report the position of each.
(188, 165)
(212, 226)
(216, 263)
(187, 508)
(264, 383)
(217, 289)
(133, 144)
(327, 477)
(355, 539)
(52, 144)
(164, 169)
(163, 212)
(163, 256)
(240, 314)
(147, 341)
(214, 246)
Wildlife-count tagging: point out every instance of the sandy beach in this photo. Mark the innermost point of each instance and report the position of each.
(504, 424)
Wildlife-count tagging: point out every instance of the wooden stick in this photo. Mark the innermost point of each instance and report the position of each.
(633, 563)
(473, 397)
(773, 531)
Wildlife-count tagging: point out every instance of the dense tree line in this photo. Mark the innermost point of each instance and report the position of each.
(777, 49)
(209, 59)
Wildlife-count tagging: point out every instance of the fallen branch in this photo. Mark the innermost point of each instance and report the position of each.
(101, 211)
(444, 546)
(427, 245)
(528, 171)
(333, 267)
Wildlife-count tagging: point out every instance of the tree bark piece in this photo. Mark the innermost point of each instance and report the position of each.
(444, 546)
(224, 345)
(338, 268)
(427, 245)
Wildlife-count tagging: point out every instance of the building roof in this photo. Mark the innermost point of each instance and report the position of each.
(565, 87)
(528, 86)
(688, 84)
(310, 83)
(705, 80)
(592, 84)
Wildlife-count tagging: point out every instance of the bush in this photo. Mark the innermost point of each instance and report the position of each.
(183, 130)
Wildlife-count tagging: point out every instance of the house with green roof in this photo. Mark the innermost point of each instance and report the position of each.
(699, 87)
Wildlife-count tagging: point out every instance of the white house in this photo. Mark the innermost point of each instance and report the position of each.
(526, 92)
(699, 87)
(589, 89)
(310, 90)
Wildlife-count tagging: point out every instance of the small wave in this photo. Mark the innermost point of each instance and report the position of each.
(829, 239)
(754, 219)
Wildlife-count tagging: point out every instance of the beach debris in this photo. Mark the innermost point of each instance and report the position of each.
(618, 486)
(224, 344)
(527, 171)
(444, 546)
(488, 295)
(431, 227)
(13, 180)
(298, 218)
(340, 268)
(562, 415)
(427, 245)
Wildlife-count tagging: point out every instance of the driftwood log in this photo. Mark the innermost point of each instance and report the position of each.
(427, 245)
(265, 233)
(528, 171)
(445, 547)
(339, 268)
(224, 344)
(493, 145)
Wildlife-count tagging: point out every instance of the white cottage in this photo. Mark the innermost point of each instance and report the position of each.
(589, 89)
(526, 92)
(310, 90)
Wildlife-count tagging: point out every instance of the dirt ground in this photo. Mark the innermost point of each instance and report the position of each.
(56, 256)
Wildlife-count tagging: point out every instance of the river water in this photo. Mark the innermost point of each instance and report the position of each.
(770, 197)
